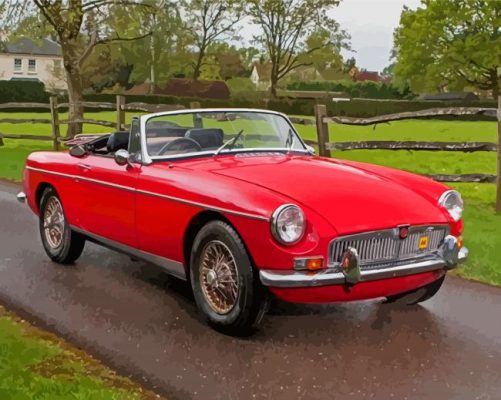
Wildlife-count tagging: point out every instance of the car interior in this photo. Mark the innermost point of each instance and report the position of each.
(162, 140)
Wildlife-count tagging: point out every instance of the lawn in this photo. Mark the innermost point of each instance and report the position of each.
(37, 365)
(482, 224)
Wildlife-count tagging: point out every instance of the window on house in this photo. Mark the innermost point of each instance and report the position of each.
(32, 65)
(18, 64)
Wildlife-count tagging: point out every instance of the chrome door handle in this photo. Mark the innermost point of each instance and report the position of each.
(83, 166)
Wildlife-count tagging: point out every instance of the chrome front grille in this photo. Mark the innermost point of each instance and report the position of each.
(385, 248)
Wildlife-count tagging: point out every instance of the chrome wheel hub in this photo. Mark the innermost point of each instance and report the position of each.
(219, 277)
(53, 222)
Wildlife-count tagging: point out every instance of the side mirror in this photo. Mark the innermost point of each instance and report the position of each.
(310, 149)
(78, 151)
(122, 157)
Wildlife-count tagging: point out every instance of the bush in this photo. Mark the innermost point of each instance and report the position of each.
(23, 92)
(365, 89)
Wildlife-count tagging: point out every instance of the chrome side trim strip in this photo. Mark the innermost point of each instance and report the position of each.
(148, 193)
(174, 268)
(202, 205)
(290, 278)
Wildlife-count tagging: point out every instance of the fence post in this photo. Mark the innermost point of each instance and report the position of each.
(197, 119)
(498, 197)
(322, 130)
(120, 112)
(54, 113)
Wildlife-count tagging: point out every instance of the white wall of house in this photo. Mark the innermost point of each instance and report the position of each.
(47, 69)
(260, 85)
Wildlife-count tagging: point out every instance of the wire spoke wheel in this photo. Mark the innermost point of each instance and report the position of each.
(53, 222)
(219, 277)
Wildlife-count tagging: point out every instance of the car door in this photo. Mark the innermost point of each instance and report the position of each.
(107, 194)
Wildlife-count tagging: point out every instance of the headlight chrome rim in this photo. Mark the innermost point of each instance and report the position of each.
(274, 224)
(455, 215)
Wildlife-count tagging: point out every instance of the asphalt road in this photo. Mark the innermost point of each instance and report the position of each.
(142, 322)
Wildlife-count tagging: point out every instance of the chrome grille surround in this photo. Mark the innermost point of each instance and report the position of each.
(384, 248)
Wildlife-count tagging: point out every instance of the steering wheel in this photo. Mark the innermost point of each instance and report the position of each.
(180, 144)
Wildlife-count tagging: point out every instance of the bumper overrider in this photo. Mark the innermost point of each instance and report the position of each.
(447, 257)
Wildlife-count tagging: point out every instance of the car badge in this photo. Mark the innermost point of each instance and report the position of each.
(403, 232)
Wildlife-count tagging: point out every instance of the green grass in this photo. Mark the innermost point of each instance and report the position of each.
(482, 224)
(35, 364)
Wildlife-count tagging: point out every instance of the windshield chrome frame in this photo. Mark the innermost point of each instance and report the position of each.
(147, 159)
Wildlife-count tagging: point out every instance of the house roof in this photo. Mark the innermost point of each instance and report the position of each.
(263, 71)
(368, 76)
(24, 45)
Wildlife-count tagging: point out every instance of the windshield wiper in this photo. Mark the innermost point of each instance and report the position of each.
(229, 143)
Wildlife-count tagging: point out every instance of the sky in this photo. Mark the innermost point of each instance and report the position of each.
(370, 24)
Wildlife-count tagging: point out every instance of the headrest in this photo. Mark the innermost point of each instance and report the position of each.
(206, 137)
(117, 141)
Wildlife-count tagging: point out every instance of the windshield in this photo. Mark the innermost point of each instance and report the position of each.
(219, 132)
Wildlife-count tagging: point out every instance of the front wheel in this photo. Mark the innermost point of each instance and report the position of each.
(61, 244)
(225, 285)
(417, 295)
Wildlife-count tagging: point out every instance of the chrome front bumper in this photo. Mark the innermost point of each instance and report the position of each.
(447, 258)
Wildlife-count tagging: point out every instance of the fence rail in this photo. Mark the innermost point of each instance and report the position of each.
(321, 120)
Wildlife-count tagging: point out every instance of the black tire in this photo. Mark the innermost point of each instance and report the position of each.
(251, 300)
(71, 244)
(419, 295)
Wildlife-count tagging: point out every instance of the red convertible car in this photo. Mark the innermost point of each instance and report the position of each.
(233, 201)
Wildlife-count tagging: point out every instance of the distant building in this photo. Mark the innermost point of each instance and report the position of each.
(363, 76)
(261, 76)
(25, 59)
(450, 96)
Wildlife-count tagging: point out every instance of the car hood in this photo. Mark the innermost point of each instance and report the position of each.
(351, 199)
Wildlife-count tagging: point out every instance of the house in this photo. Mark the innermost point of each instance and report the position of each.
(261, 75)
(25, 59)
(363, 76)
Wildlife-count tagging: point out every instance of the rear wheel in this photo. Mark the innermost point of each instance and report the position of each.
(417, 295)
(226, 288)
(61, 244)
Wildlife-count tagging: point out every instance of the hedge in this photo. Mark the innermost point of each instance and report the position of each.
(23, 92)
(366, 89)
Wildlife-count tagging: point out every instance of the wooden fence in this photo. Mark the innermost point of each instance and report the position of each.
(322, 121)
(121, 107)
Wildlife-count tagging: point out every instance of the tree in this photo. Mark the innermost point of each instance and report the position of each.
(80, 28)
(449, 44)
(158, 56)
(207, 21)
(322, 52)
(286, 24)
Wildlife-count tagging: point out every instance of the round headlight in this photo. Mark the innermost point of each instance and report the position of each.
(288, 224)
(452, 202)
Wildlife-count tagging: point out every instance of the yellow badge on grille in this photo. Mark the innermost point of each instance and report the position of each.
(423, 242)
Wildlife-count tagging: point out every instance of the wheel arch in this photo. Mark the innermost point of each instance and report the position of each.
(198, 222)
(42, 186)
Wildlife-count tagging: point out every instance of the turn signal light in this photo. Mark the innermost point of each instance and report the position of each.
(460, 241)
(310, 264)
